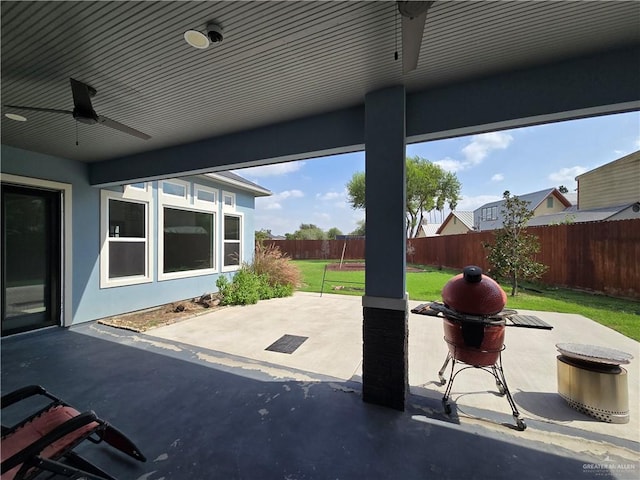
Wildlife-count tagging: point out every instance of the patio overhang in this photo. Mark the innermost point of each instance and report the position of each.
(598, 84)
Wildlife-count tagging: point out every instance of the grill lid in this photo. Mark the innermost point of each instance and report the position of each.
(473, 293)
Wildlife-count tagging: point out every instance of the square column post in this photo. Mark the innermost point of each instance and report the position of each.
(385, 330)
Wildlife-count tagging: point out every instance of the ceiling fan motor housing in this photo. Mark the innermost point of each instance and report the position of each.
(89, 117)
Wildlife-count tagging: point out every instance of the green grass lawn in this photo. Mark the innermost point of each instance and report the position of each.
(620, 315)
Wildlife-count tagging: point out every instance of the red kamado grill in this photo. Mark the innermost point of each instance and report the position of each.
(474, 327)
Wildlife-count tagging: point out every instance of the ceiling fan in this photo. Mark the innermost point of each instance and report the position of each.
(414, 16)
(83, 110)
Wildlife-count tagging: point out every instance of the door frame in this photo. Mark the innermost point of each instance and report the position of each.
(66, 253)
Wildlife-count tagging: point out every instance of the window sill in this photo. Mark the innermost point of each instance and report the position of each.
(124, 282)
(186, 274)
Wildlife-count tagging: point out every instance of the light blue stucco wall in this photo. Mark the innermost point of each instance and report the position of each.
(89, 301)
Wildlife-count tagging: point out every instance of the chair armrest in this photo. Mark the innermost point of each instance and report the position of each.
(34, 449)
(21, 394)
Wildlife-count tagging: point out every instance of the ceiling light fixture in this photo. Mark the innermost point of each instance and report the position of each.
(196, 39)
(16, 117)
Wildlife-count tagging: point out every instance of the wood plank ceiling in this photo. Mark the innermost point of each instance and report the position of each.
(278, 61)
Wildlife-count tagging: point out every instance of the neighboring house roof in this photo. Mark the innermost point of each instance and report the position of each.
(573, 215)
(534, 199)
(428, 230)
(466, 217)
(571, 197)
(237, 181)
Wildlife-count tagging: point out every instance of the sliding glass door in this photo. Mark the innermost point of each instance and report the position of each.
(31, 234)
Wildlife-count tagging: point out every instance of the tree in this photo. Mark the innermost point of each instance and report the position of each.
(360, 229)
(262, 235)
(355, 189)
(448, 192)
(428, 187)
(307, 231)
(333, 232)
(562, 189)
(512, 254)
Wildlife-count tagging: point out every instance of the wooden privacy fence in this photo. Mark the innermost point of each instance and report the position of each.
(599, 256)
(322, 249)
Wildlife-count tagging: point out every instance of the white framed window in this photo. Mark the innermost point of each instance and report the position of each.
(232, 242)
(228, 201)
(186, 231)
(174, 191)
(126, 251)
(140, 191)
(205, 197)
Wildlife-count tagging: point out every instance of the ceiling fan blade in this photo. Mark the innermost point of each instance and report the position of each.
(81, 96)
(123, 128)
(37, 109)
(414, 16)
(412, 30)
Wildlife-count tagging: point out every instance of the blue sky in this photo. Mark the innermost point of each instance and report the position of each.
(521, 160)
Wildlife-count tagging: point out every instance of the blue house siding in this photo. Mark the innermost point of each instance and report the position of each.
(89, 300)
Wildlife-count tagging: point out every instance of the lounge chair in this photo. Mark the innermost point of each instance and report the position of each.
(44, 441)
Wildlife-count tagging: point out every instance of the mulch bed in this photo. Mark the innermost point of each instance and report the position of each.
(144, 320)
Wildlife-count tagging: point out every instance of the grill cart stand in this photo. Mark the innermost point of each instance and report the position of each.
(498, 374)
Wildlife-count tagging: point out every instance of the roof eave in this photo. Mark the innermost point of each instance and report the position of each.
(256, 190)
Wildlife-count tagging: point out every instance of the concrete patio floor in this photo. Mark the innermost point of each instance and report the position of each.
(204, 399)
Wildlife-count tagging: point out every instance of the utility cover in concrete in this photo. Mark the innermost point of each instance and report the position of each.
(286, 344)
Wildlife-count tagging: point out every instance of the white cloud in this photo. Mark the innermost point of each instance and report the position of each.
(271, 170)
(289, 194)
(273, 206)
(498, 177)
(331, 196)
(566, 174)
(471, 203)
(450, 165)
(482, 145)
(274, 202)
(476, 151)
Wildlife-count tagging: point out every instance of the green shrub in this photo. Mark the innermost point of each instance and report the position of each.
(248, 287)
(270, 275)
(245, 289)
(280, 291)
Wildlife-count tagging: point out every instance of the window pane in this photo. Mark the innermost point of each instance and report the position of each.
(228, 200)
(231, 227)
(126, 259)
(188, 240)
(174, 189)
(231, 254)
(126, 219)
(140, 186)
(206, 196)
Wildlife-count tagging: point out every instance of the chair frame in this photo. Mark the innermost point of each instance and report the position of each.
(73, 465)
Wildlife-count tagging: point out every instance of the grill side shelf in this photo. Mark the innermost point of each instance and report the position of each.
(528, 321)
